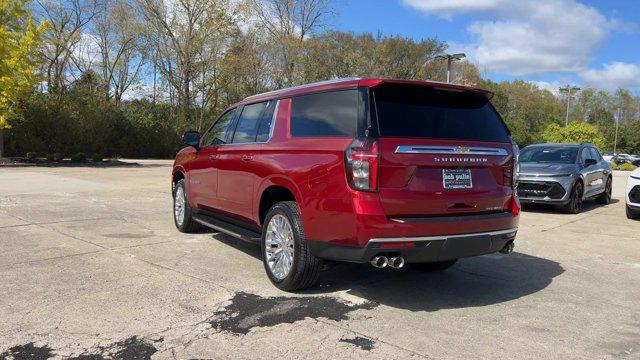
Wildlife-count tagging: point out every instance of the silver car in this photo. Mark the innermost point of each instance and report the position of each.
(563, 175)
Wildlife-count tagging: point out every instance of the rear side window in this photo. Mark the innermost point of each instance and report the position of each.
(264, 128)
(247, 127)
(325, 114)
(425, 112)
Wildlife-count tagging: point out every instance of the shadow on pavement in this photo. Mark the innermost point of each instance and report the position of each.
(472, 282)
(587, 206)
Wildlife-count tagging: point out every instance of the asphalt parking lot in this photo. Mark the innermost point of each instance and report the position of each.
(91, 267)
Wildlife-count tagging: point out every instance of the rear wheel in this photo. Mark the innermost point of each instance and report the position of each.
(632, 214)
(605, 197)
(285, 253)
(182, 213)
(575, 202)
(433, 266)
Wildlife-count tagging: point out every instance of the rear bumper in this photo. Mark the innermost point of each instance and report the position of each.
(418, 249)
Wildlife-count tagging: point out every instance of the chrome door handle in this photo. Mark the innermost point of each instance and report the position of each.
(213, 157)
(247, 157)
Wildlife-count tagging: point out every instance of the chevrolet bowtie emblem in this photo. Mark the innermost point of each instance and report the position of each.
(462, 150)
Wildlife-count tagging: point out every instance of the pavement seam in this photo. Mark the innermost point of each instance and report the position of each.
(56, 222)
(83, 253)
(374, 338)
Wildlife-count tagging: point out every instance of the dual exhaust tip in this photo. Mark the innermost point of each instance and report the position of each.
(396, 262)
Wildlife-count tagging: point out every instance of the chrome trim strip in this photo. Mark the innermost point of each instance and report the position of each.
(442, 237)
(449, 150)
(273, 124)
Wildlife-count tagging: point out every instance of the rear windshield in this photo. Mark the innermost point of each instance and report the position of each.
(425, 112)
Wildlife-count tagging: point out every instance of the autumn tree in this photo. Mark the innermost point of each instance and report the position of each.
(288, 23)
(19, 39)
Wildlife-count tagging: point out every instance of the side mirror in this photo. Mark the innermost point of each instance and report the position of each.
(590, 162)
(192, 138)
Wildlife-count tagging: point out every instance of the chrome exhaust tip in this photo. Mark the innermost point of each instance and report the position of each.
(396, 262)
(379, 261)
(507, 249)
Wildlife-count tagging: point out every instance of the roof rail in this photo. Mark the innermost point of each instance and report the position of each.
(320, 83)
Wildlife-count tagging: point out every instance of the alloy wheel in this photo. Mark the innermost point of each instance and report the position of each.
(577, 203)
(279, 246)
(178, 205)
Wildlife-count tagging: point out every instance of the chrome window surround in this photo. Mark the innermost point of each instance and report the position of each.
(442, 237)
(450, 150)
(273, 123)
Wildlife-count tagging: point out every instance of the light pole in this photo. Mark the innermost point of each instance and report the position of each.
(450, 59)
(568, 90)
(615, 141)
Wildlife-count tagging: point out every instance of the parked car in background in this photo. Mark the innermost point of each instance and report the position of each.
(609, 157)
(623, 159)
(564, 175)
(359, 170)
(633, 195)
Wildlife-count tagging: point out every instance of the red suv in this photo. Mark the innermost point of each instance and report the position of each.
(358, 170)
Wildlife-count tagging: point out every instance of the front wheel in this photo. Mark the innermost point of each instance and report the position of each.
(575, 202)
(285, 252)
(182, 213)
(433, 266)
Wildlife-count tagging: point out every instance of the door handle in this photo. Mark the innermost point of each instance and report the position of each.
(213, 157)
(247, 157)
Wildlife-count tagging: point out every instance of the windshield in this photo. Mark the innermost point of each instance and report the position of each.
(411, 111)
(549, 154)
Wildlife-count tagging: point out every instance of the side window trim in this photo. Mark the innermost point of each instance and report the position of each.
(271, 128)
(234, 125)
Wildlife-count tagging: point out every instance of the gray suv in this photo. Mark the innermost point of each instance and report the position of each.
(563, 175)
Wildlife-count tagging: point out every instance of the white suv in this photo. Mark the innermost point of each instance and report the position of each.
(633, 195)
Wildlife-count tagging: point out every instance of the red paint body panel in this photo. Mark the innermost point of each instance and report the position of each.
(313, 170)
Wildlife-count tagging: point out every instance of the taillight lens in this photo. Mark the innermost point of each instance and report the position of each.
(362, 157)
(511, 206)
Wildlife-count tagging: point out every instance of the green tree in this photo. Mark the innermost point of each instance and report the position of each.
(19, 37)
(574, 133)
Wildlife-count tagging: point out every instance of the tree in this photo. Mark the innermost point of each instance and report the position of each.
(288, 23)
(574, 133)
(67, 20)
(19, 40)
(190, 37)
(122, 47)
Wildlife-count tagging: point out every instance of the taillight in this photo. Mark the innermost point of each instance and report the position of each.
(511, 206)
(362, 159)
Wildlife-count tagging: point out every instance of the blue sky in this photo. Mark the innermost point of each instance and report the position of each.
(552, 42)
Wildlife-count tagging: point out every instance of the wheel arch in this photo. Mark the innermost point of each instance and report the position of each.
(273, 191)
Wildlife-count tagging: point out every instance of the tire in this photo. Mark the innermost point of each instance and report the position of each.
(632, 214)
(433, 266)
(185, 222)
(283, 230)
(574, 206)
(605, 197)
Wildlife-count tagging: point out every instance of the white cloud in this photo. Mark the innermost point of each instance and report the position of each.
(612, 76)
(528, 37)
(553, 86)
